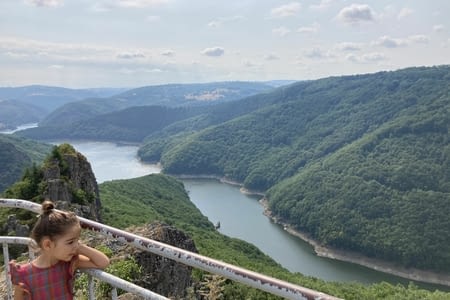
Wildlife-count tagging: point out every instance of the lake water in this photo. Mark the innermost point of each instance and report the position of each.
(240, 216)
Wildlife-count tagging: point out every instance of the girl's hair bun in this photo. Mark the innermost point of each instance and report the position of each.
(47, 207)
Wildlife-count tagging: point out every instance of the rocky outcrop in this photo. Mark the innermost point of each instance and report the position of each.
(71, 184)
(162, 275)
(66, 178)
(14, 227)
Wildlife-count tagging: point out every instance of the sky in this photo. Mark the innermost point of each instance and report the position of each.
(132, 43)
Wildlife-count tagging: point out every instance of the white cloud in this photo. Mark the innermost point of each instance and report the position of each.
(250, 64)
(56, 67)
(214, 24)
(54, 53)
(388, 42)
(356, 13)
(324, 4)
(139, 70)
(214, 51)
(366, 58)
(45, 3)
(348, 46)
(14, 54)
(317, 53)
(281, 31)
(405, 12)
(130, 55)
(376, 56)
(139, 3)
(286, 10)
(153, 19)
(168, 53)
(438, 28)
(154, 70)
(271, 56)
(221, 21)
(309, 29)
(108, 5)
(419, 38)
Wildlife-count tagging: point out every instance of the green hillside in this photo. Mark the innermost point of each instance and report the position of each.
(16, 154)
(359, 162)
(15, 113)
(131, 124)
(49, 98)
(169, 95)
(159, 197)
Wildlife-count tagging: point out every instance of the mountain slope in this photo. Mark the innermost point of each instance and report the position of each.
(131, 124)
(15, 113)
(170, 95)
(402, 119)
(159, 197)
(16, 154)
(30, 104)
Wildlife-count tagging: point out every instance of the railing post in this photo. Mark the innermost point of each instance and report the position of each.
(91, 287)
(7, 270)
(114, 294)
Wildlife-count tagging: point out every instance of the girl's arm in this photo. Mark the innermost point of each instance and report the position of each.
(18, 292)
(91, 258)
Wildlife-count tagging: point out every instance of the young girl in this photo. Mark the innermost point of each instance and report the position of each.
(50, 275)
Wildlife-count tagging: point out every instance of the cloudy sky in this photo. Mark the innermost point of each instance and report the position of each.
(130, 43)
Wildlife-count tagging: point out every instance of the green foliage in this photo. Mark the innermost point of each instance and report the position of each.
(14, 113)
(33, 185)
(29, 187)
(160, 197)
(126, 269)
(133, 115)
(345, 159)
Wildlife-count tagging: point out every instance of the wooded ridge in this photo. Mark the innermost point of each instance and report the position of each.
(359, 162)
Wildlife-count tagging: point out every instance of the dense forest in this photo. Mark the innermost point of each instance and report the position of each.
(142, 200)
(168, 95)
(31, 104)
(128, 125)
(357, 162)
(159, 197)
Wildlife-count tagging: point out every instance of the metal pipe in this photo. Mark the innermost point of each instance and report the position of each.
(7, 270)
(123, 284)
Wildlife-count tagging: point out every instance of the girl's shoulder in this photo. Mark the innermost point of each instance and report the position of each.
(19, 274)
(20, 268)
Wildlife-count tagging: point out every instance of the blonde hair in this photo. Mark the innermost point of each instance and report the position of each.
(52, 223)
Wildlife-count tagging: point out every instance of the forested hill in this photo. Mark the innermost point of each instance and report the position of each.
(359, 162)
(169, 95)
(16, 154)
(30, 104)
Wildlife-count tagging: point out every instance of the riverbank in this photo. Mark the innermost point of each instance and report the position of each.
(357, 258)
(336, 254)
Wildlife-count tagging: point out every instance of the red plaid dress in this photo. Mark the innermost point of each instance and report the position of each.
(44, 284)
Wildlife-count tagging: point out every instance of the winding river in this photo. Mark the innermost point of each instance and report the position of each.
(240, 216)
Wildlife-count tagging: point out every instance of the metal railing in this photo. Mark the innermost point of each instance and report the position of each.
(250, 278)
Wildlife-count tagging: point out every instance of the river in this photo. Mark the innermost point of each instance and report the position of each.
(240, 216)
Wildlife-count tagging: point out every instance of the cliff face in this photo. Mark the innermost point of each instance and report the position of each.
(71, 183)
